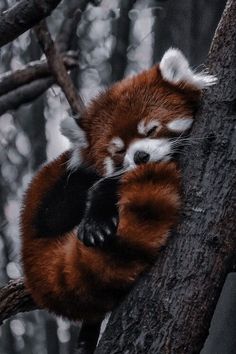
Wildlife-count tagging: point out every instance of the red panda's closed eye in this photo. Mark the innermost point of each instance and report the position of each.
(121, 152)
(133, 121)
(148, 128)
(152, 130)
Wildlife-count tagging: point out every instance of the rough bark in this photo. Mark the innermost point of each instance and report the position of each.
(58, 68)
(170, 309)
(22, 16)
(35, 70)
(14, 298)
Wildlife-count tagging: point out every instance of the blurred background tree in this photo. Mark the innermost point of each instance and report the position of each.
(113, 39)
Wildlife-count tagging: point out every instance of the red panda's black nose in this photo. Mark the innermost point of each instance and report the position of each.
(141, 157)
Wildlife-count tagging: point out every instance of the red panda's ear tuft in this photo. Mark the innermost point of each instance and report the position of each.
(77, 136)
(71, 130)
(175, 69)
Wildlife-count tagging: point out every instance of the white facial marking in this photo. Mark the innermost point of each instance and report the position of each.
(180, 124)
(158, 149)
(109, 166)
(143, 127)
(78, 139)
(116, 144)
(175, 68)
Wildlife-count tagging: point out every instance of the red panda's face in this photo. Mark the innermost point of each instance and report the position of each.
(140, 119)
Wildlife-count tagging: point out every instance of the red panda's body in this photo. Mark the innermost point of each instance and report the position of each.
(136, 121)
(78, 282)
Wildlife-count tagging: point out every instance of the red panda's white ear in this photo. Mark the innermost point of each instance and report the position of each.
(73, 132)
(175, 68)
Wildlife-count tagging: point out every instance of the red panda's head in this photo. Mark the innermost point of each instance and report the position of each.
(138, 119)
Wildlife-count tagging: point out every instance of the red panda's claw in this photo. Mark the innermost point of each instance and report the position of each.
(115, 221)
(89, 241)
(100, 237)
(95, 233)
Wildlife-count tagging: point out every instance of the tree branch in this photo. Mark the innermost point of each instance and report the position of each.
(58, 69)
(35, 70)
(170, 309)
(14, 298)
(24, 94)
(22, 16)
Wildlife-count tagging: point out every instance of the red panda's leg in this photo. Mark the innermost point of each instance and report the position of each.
(88, 337)
(63, 206)
(149, 205)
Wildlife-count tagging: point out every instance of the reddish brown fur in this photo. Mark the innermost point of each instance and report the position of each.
(78, 282)
(68, 278)
(145, 96)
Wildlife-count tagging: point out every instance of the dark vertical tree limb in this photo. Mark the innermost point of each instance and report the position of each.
(121, 29)
(170, 309)
(175, 35)
(67, 38)
(58, 68)
(204, 21)
(192, 35)
(22, 16)
(72, 16)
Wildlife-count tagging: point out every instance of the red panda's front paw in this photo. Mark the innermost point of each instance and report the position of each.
(97, 233)
(99, 224)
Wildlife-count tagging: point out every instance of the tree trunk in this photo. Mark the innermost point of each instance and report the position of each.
(170, 309)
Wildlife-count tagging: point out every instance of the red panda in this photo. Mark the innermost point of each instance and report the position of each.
(117, 189)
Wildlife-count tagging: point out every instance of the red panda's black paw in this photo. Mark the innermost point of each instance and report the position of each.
(95, 233)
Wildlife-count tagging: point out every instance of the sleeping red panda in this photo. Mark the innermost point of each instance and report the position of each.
(117, 189)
